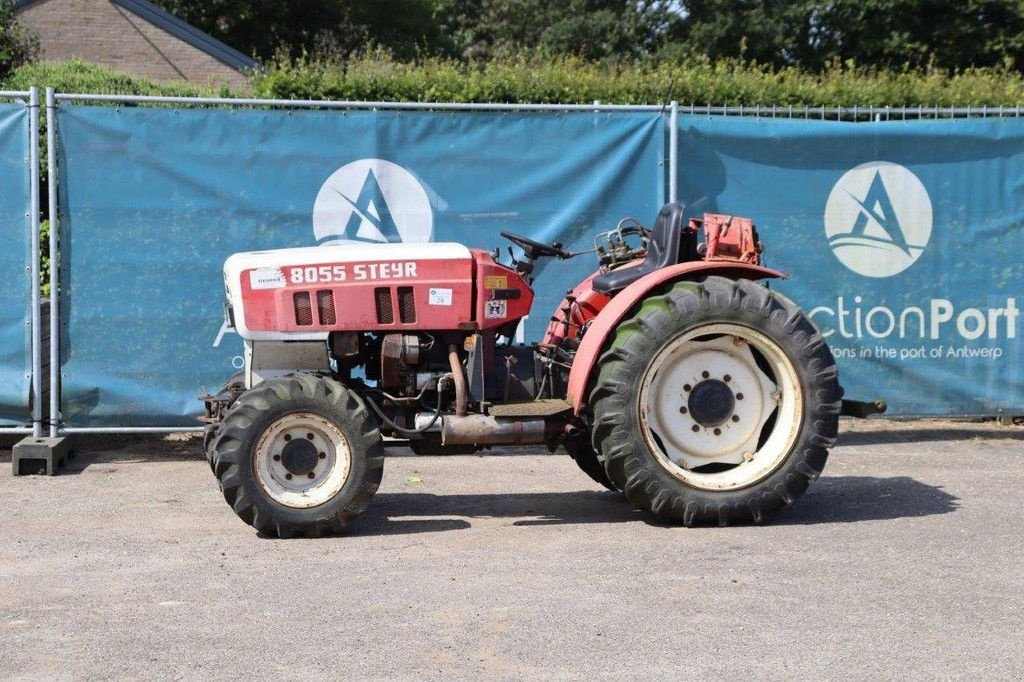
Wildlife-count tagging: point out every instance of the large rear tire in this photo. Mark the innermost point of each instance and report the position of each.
(715, 402)
(582, 452)
(299, 455)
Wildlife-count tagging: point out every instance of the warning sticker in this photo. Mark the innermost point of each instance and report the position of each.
(496, 282)
(495, 310)
(440, 297)
(267, 278)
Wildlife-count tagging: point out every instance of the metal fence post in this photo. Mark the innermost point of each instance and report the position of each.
(673, 151)
(51, 159)
(33, 226)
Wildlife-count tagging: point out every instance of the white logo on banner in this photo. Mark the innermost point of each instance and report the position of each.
(372, 200)
(878, 219)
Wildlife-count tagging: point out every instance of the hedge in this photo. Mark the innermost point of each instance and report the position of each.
(377, 77)
(79, 76)
(569, 80)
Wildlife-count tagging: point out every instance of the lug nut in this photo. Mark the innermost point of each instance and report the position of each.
(277, 458)
(735, 417)
(311, 475)
(727, 378)
(687, 387)
(287, 436)
(288, 476)
(682, 410)
(705, 374)
(309, 436)
(739, 396)
(695, 428)
(323, 455)
(718, 432)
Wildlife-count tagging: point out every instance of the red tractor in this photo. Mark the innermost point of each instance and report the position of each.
(670, 374)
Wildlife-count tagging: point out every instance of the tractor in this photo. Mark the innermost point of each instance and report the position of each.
(671, 374)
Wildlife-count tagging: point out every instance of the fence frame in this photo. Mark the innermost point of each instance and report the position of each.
(30, 99)
(670, 112)
(53, 100)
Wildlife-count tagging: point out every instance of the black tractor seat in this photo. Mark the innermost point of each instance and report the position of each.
(668, 246)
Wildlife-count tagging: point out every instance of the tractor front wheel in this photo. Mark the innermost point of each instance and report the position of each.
(715, 402)
(298, 455)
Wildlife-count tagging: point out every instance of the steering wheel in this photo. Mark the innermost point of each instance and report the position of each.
(534, 249)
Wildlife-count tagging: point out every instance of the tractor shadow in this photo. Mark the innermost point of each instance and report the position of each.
(834, 499)
(849, 499)
(386, 515)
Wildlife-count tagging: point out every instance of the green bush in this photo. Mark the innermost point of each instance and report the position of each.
(77, 76)
(572, 80)
(377, 77)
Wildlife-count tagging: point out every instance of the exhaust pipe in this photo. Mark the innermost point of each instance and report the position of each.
(479, 429)
(461, 389)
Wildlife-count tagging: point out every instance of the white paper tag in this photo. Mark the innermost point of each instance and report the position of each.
(267, 278)
(440, 297)
(495, 310)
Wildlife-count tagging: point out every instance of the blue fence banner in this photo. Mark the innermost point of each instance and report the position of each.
(903, 240)
(154, 199)
(15, 254)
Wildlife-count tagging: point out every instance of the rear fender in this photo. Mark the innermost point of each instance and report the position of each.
(601, 328)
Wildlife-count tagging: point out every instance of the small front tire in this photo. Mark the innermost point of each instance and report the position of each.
(299, 455)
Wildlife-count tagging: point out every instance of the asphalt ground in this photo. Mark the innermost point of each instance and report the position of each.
(904, 561)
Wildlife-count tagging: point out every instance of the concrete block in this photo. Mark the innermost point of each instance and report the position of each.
(40, 455)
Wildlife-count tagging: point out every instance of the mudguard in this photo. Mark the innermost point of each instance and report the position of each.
(597, 333)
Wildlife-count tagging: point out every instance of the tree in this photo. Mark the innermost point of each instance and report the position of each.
(884, 33)
(17, 46)
(263, 27)
(593, 29)
(260, 27)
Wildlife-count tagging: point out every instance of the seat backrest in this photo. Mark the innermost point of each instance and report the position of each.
(668, 245)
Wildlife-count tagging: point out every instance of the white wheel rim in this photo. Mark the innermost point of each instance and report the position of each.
(684, 395)
(287, 471)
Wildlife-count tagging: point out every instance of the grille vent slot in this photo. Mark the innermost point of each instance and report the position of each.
(406, 305)
(325, 307)
(303, 309)
(385, 311)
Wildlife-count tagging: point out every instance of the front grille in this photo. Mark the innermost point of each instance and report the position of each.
(385, 312)
(303, 309)
(325, 307)
(406, 305)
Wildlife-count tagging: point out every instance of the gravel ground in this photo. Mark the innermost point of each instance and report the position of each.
(903, 561)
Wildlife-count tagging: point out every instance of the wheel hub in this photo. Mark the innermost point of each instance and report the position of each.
(302, 460)
(711, 402)
(299, 456)
(706, 399)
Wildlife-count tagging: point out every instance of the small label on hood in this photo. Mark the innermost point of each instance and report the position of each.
(267, 278)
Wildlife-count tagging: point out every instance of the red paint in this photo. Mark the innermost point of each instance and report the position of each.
(583, 304)
(606, 321)
(273, 309)
(730, 238)
(493, 278)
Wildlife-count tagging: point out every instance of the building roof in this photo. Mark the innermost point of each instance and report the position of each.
(179, 29)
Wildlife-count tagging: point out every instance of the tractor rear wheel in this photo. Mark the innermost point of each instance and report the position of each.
(582, 452)
(715, 402)
(299, 455)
